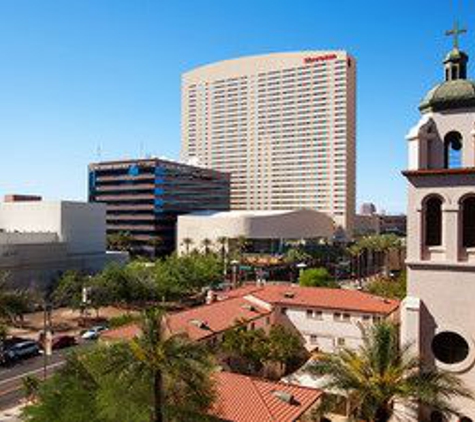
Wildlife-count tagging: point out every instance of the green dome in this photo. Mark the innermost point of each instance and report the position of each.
(455, 55)
(450, 95)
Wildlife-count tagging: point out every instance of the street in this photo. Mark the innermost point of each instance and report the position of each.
(11, 377)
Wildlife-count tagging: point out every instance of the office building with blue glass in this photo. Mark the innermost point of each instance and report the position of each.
(144, 198)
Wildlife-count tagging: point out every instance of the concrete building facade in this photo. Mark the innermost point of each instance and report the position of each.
(282, 124)
(438, 315)
(144, 197)
(261, 229)
(39, 240)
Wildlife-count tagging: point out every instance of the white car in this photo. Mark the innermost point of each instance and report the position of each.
(93, 333)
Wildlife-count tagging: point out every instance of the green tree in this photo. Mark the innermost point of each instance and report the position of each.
(121, 241)
(207, 243)
(297, 254)
(13, 303)
(154, 378)
(317, 277)
(180, 371)
(247, 349)
(187, 242)
(388, 287)
(382, 373)
(284, 347)
(251, 350)
(69, 289)
(31, 386)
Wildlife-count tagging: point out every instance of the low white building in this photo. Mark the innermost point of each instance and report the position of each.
(39, 240)
(326, 319)
(266, 230)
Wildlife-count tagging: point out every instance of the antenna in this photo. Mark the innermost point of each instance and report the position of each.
(99, 152)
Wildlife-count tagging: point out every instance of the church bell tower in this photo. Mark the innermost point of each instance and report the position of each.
(438, 314)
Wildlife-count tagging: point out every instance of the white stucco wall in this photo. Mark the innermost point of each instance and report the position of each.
(326, 328)
(297, 224)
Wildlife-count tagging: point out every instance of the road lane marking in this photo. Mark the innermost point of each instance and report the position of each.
(35, 371)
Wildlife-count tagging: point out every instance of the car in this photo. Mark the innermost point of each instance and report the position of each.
(93, 333)
(22, 350)
(63, 341)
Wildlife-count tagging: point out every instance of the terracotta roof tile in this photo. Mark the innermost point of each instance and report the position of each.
(200, 322)
(342, 299)
(215, 318)
(246, 399)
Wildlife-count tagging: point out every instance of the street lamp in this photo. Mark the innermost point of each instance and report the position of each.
(234, 265)
(301, 267)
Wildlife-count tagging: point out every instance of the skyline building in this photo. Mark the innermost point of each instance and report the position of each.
(282, 124)
(144, 197)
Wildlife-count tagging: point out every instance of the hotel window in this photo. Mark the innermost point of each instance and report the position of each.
(313, 339)
(337, 316)
(283, 311)
(346, 317)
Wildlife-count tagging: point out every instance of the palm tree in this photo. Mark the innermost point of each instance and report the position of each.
(240, 244)
(381, 373)
(187, 242)
(385, 244)
(207, 245)
(180, 370)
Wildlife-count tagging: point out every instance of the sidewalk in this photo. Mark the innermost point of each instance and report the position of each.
(11, 415)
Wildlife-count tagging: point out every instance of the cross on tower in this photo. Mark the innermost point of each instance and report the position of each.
(456, 32)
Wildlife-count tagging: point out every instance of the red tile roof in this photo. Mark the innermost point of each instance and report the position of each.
(203, 321)
(341, 299)
(245, 399)
(200, 322)
(126, 332)
(217, 317)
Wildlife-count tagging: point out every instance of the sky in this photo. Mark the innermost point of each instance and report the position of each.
(87, 79)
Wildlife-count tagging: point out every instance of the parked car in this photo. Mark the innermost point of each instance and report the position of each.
(93, 333)
(63, 341)
(23, 350)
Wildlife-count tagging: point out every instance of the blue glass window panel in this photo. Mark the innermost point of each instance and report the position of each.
(92, 179)
(159, 191)
(159, 171)
(134, 170)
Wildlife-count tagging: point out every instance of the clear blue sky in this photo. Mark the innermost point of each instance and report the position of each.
(75, 74)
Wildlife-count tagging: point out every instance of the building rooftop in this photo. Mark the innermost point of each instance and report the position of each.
(240, 305)
(202, 321)
(245, 213)
(316, 297)
(242, 398)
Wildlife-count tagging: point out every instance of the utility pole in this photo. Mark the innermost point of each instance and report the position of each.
(47, 337)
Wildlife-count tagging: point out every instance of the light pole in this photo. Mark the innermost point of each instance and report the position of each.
(234, 266)
(47, 337)
(301, 266)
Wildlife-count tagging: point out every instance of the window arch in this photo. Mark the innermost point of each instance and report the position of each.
(468, 222)
(453, 144)
(433, 221)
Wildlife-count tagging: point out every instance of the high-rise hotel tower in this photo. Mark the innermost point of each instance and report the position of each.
(282, 124)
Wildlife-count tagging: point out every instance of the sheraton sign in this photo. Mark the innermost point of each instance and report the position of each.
(324, 58)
